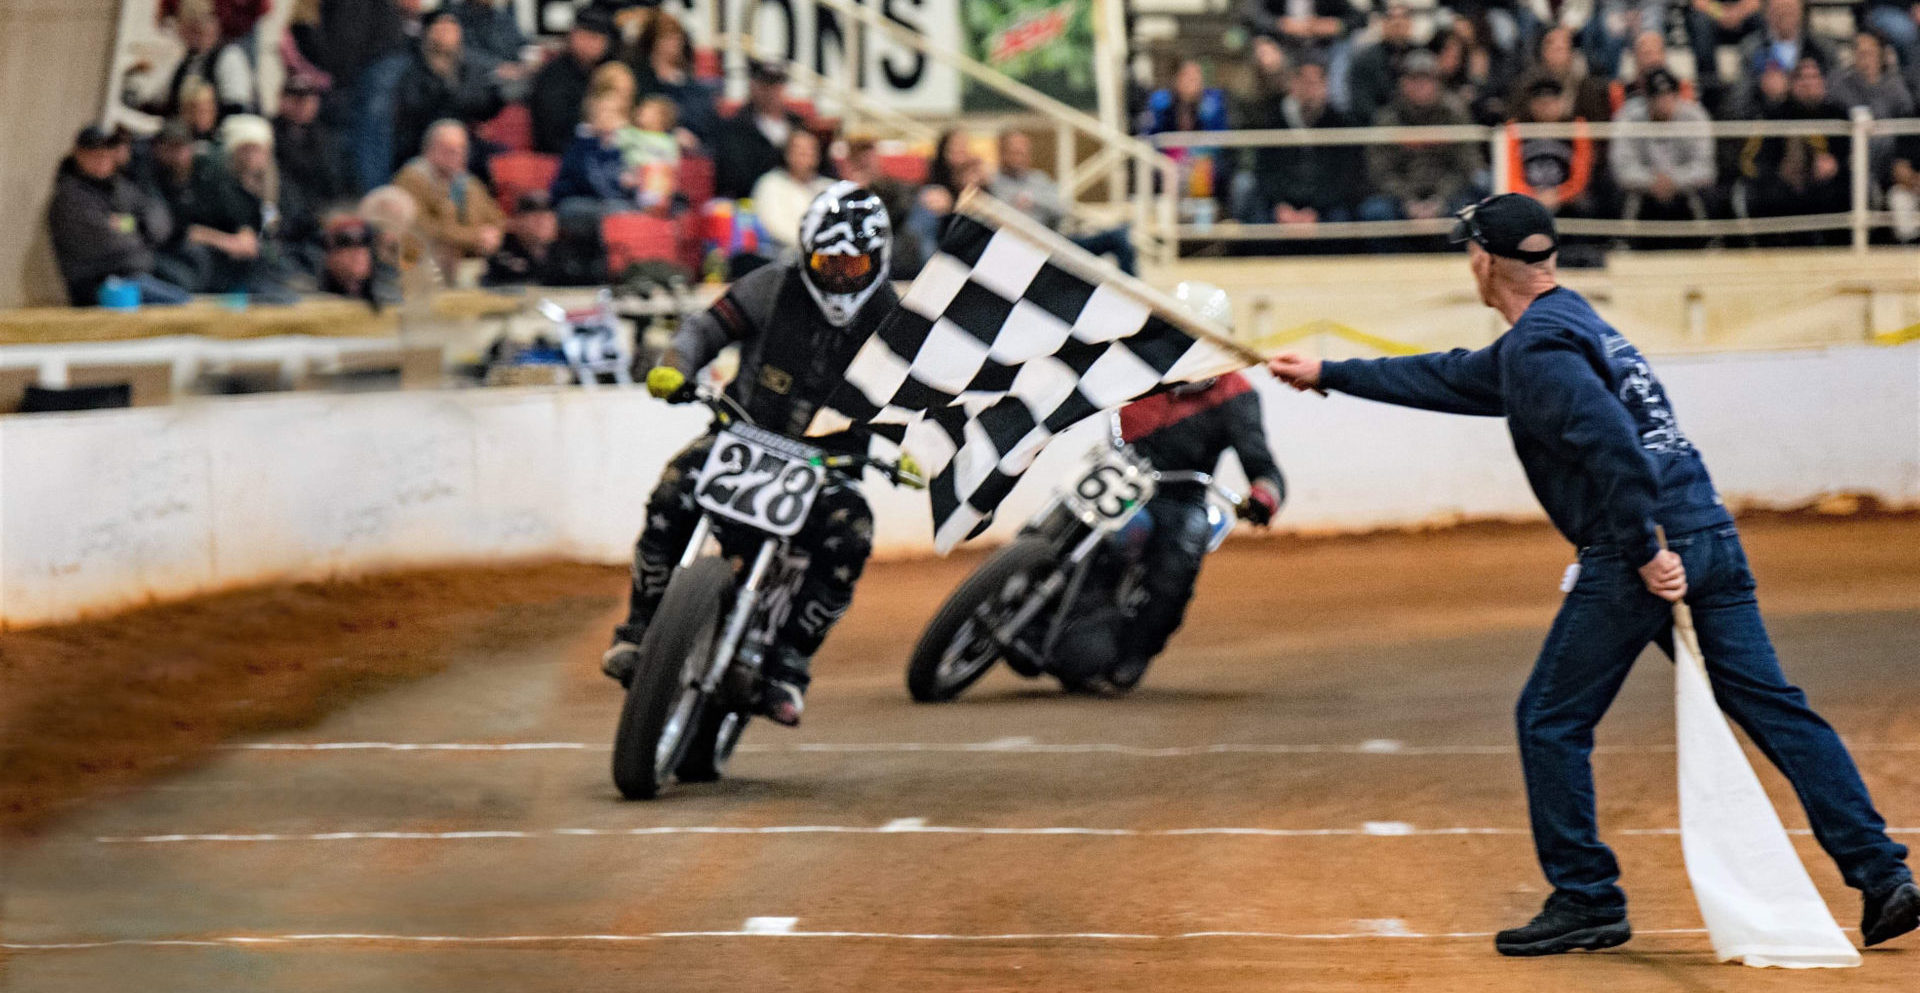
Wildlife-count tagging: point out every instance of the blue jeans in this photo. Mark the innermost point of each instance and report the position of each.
(1114, 242)
(1603, 626)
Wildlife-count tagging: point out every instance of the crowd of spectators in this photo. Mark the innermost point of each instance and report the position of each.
(1328, 64)
(410, 146)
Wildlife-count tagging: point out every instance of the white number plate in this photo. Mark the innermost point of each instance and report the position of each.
(1112, 488)
(761, 479)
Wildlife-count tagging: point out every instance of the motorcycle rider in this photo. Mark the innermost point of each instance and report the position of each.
(1189, 428)
(798, 325)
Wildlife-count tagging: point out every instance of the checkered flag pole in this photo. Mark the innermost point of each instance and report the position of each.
(1009, 336)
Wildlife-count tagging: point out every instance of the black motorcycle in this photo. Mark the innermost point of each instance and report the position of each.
(693, 690)
(1078, 562)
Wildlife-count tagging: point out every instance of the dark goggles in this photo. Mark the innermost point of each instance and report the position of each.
(842, 273)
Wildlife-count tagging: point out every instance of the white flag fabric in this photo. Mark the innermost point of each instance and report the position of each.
(1010, 335)
(1760, 906)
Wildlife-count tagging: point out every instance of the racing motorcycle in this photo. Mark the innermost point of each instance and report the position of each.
(1078, 562)
(693, 691)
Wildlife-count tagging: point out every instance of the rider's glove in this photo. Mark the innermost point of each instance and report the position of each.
(1263, 501)
(910, 473)
(664, 381)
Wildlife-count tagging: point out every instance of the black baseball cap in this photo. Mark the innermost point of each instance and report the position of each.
(1504, 223)
(766, 71)
(598, 21)
(96, 136)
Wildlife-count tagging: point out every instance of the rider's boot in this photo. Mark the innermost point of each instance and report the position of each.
(623, 659)
(783, 686)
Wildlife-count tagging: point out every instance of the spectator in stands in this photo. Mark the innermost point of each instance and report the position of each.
(236, 18)
(863, 166)
(650, 153)
(1612, 26)
(1781, 43)
(782, 196)
(252, 240)
(1420, 180)
(1477, 75)
(749, 143)
(527, 253)
(221, 63)
(1375, 76)
(1267, 82)
(200, 112)
(348, 36)
(613, 79)
(1310, 29)
(1034, 194)
(457, 213)
(173, 172)
(351, 268)
(1897, 22)
(560, 88)
(1798, 174)
(104, 225)
(662, 62)
(594, 180)
(1306, 184)
(491, 30)
(1711, 24)
(1665, 178)
(367, 66)
(1554, 58)
(1873, 81)
(1649, 53)
(1558, 172)
(308, 153)
(1507, 27)
(1191, 105)
(441, 83)
(954, 168)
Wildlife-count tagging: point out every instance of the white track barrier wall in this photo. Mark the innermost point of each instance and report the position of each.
(104, 510)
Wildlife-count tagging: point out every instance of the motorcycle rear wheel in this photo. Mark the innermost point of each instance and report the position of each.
(664, 701)
(957, 647)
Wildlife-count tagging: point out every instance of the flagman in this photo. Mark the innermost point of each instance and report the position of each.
(1606, 457)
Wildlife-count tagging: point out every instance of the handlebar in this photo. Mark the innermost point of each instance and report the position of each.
(726, 410)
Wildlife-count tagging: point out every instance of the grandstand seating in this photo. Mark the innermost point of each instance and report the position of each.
(516, 173)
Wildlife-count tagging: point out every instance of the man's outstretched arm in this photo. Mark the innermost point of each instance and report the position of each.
(1456, 382)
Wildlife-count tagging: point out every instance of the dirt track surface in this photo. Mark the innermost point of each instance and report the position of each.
(1348, 700)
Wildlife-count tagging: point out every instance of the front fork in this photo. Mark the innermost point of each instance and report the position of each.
(745, 599)
(1037, 601)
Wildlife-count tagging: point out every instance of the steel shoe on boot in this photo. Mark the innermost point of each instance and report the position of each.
(1563, 927)
(1890, 914)
(620, 661)
(783, 686)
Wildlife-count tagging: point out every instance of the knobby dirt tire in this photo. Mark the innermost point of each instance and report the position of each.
(1025, 556)
(689, 618)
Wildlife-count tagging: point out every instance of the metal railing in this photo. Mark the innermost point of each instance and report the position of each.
(1153, 207)
(1860, 219)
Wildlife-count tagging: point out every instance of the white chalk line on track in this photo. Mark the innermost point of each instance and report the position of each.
(1010, 747)
(1379, 830)
(296, 940)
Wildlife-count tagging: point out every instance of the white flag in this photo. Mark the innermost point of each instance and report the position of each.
(1760, 906)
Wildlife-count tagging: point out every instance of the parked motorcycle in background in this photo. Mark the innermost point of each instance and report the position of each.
(1069, 583)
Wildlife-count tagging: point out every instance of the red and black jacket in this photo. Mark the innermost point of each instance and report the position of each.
(1191, 432)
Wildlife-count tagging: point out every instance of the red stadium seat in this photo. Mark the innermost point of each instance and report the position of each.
(696, 179)
(905, 168)
(511, 129)
(634, 237)
(515, 173)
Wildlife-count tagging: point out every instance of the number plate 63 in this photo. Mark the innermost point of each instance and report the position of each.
(760, 479)
(1107, 495)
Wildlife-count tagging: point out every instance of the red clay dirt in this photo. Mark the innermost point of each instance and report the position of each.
(1421, 637)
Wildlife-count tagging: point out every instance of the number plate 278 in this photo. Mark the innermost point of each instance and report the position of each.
(760, 479)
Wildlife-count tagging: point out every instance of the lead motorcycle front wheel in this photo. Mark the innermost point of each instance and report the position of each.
(664, 702)
(958, 647)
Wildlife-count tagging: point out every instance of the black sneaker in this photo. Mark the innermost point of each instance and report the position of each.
(1890, 914)
(1565, 928)
(620, 661)
(783, 686)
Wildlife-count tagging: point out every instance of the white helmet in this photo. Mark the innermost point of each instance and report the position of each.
(1209, 303)
(1205, 301)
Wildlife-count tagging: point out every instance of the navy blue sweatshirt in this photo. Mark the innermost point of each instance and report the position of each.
(1589, 420)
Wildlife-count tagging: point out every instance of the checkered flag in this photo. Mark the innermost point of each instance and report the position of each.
(1009, 336)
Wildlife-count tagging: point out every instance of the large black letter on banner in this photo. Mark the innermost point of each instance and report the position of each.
(896, 78)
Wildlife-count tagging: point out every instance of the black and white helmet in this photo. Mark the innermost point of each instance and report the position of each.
(846, 248)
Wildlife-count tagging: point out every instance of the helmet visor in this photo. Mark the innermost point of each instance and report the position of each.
(841, 273)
